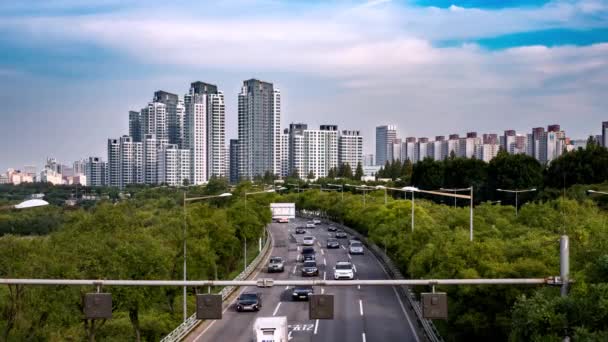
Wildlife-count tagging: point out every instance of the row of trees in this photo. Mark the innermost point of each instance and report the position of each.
(138, 238)
(505, 171)
(505, 246)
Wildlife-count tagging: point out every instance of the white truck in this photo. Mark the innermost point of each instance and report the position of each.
(270, 329)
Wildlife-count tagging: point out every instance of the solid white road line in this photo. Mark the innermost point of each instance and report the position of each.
(350, 257)
(407, 317)
(361, 307)
(294, 269)
(276, 309)
(342, 246)
(316, 326)
(363, 337)
(324, 275)
(322, 252)
(318, 243)
(324, 261)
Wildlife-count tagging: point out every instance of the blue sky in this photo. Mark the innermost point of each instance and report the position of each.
(70, 70)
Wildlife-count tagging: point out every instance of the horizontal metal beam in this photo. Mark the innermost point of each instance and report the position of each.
(268, 282)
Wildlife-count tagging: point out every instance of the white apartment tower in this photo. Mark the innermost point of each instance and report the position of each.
(215, 130)
(113, 166)
(173, 165)
(196, 136)
(296, 148)
(259, 129)
(320, 150)
(95, 171)
(285, 153)
(350, 148)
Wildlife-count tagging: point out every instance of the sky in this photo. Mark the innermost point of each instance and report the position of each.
(71, 70)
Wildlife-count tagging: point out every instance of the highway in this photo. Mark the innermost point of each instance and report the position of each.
(365, 313)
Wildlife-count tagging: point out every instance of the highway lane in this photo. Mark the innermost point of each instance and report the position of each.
(361, 313)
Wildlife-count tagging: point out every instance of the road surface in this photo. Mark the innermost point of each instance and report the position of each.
(365, 313)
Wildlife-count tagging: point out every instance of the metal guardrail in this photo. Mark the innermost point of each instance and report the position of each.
(184, 329)
(429, 329)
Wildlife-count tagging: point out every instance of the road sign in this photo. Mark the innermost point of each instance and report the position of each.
(435, 305)
(208, 306)
(98, 305)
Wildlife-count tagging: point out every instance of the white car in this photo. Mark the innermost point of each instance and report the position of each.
(310, 225)
(308, 241)
(316, 221)
(344, 270)
(355, 247)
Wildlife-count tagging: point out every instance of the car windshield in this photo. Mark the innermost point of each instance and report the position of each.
(248, 296)
(343, 267)
(308, 250)
(356, 244)
(310, 264)
(308, 238)
(331, 240)
(275, 260)
(303, 288)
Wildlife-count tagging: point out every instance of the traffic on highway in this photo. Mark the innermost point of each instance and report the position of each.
(361, 313)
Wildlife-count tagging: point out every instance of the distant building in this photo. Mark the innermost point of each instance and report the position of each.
(173, 165)
(368, 160)
(604, 141)
(95, 171)
(234, 161)
(51, 176)
(385, 135)
(259, 129)
(350, 148)
(285, 153)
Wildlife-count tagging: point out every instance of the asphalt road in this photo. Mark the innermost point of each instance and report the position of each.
(365, 313)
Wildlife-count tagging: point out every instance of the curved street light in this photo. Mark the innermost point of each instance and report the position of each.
(516, 192)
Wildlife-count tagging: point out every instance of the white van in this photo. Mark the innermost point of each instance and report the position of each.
(270, 329)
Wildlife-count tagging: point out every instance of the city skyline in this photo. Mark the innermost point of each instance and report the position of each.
(456, 66)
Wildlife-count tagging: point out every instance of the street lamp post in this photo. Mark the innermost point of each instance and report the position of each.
(186, 200)
(385, 196)
(455, 191)
(516, 196)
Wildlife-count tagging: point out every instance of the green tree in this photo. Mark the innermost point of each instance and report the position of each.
(359, 172)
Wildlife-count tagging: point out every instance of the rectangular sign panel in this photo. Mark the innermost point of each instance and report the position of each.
(283, 210)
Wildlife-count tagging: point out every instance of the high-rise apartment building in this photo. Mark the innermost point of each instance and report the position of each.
(173, 165)
(350, 148)
(368, 160)
(385, 135)
(154, 120)
(135, 127)
(95, 171)
(437, 148)
(394, 150)
(216, 127)
(604, 141)
(285, 153)
(113, 166)
(296, 148)
(166, 119)
(196, 135)
(259, 129)
(421, 150)
(320, 151)
(467, 145)
(234, 161)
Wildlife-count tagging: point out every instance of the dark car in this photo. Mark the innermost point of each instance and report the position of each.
(248, 301)
(332, 243)
(300, 230)
(332, 228)
(302, 292)
(310, 268)
(308, 253)
(340, 234)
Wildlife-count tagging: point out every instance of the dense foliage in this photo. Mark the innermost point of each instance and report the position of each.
(138, 238)
(504, 246)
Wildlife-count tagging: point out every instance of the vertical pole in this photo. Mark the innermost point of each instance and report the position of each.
(471, 217)
(260, 245)
(516, 193)
(413, 204)
(385, 196)
(564, 269)
(454, 199)
(342, 193)
(185, 302)
(364, 195)
(564, 263)
(245, 253)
